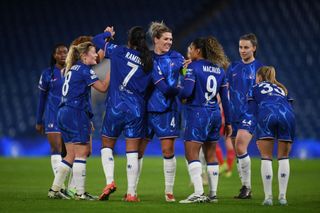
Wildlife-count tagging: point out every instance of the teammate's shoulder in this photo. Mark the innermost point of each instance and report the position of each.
(175, 54)
(46, 70)
(234, 64)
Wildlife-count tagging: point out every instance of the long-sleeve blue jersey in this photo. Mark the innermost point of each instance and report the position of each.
(202, 83)
(166, 68)
(50, 84)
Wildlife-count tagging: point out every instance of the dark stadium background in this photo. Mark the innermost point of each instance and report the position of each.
(288, 33)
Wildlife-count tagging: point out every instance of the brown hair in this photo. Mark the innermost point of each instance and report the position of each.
(252, 38)
(268, 73)
(212, 50)
(81, 39)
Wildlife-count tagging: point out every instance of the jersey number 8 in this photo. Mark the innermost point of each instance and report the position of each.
(65, 87)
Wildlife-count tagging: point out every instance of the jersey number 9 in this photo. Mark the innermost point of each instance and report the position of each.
(211, 88)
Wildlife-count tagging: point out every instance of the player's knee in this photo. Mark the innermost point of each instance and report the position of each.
(167, 153)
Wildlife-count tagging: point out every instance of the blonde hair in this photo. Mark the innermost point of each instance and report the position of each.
(156, 29)
(268, 73)
(75, 52)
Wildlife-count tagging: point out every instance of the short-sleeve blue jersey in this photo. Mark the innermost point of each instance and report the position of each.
(266, 94)
(51, 82)
(77, 87)
(275, 116)
(241, 77)
(208, 79)
(166, 67)
(129, 80)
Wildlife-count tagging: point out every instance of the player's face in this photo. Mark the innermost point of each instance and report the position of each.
(258, 79)
(246, 50)
(193, 52)
(164, 43)
(61, 55)
(90, 58)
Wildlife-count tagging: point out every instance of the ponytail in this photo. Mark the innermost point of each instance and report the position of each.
(215, 52)
(137, 39)
(72, 57)
(75, 53)
(268, 73)
(212, 50)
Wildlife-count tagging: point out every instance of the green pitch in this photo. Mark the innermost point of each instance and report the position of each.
(24, 184)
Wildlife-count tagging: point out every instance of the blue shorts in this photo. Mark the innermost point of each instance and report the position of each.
(163, 124)
(247, 123)
(121, 118)
(50, 121)
(74, 125)
(202, 124)
(275, 125)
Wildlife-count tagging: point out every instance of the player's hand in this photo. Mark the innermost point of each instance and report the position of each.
(186, 63)
(228, 130)
(40, 129)
(92, 126)
(110, 30)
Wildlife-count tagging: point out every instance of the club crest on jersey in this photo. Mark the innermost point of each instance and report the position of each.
(93, 74)
(159, 71)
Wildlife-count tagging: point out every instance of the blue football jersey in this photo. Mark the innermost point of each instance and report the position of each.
(268, 94)
(51, 81)
(208, 79)
(128, 80)
(77, 87)
(166, 67)
(275, 116)
(241, 77)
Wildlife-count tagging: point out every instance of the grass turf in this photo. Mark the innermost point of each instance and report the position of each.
(24, 183)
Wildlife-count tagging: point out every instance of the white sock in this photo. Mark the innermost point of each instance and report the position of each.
(169, 169)
(108, 164)
(239, 171)
(213, 177)
(132, 172)
(55, 160)
(71, 183)
(61, 175)
(267, 175)
(79, 174)
(245, 166)
(203, 161)
(140, 163)
(283, 176)
(194, 169)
